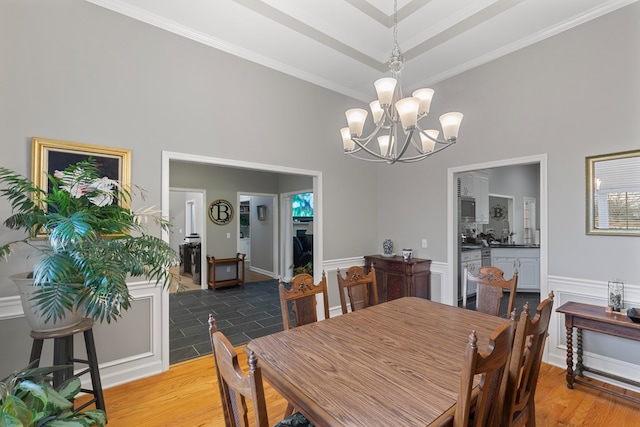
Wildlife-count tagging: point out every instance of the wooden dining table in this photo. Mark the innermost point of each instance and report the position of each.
(394, 364)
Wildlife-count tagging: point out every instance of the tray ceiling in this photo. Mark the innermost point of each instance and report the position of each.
(344, 45)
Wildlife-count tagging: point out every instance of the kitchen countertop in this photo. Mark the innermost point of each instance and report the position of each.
(472, 247)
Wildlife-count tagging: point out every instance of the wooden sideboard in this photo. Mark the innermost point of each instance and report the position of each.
(398, 278)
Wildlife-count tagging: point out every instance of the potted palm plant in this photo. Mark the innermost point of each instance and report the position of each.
(28, 398)
(90, 243)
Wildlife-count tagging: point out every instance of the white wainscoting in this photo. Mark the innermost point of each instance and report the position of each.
(615, 355)
(128, 349)
(610, 354)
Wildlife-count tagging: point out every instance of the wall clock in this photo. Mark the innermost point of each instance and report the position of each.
(220, 212)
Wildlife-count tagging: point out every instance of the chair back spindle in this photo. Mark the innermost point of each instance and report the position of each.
(302, 295)
(492, 365)
(357, 289)
(524, 366)
(490, 283)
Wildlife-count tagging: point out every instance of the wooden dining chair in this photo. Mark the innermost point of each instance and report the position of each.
(302, 295)
(490, 283)
(524, 367)
(485, 408)
(360, 288)
(237, 387)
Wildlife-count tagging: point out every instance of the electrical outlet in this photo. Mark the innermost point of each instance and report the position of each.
(424, 243)
(228, 269)
(228, 235)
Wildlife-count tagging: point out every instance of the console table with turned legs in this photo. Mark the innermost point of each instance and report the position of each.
(596, 319)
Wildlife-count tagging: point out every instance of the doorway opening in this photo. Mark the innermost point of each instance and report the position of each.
(257, 234)
(517, 224)
(286, 178)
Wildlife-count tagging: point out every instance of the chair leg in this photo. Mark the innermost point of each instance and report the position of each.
(289, 410)
(531, 415)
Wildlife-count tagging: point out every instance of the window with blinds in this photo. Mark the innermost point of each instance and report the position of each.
(616, 193)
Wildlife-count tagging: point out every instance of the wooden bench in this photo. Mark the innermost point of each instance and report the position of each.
(238, 261)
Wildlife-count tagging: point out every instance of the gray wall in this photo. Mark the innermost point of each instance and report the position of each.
(77, 72)
(519, 182)
(177, 214)
(570, 96)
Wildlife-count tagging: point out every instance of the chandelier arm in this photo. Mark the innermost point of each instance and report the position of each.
(425, 155)
(361, 144)
(377, 158)
(438, 140)
(406, 144)
(365, 148)
(417, 146)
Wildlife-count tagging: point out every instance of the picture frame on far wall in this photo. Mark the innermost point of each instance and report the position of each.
(49, 155)
(613, 194)
(262, 212)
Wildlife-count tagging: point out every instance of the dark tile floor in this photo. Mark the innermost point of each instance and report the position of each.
(241, 314)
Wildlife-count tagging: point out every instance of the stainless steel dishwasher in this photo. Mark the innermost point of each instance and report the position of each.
(485, 256)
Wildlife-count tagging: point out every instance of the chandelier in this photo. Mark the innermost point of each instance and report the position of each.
(397, 118)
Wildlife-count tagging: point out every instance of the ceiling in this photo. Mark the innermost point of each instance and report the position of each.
(344, 45)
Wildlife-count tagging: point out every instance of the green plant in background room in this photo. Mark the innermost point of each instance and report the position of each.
(91, 242)
(307, 268)
(28, 398)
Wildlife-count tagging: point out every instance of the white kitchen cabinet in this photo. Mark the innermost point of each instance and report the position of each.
(465, 185)
(476, 185)
(244, 247)
(481, 194)
(525, 260)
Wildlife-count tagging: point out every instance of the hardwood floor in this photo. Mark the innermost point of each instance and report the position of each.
(187, 395)
(189, 285)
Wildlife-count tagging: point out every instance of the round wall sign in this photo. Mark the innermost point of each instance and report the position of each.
(498, 212)
(220, 212)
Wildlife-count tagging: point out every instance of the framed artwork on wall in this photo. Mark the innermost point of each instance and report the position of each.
(49, 155)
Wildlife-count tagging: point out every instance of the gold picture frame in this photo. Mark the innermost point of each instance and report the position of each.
(49, 155)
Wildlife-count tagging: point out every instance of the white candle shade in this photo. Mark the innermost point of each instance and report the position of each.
(383, 142)
(356, 118)
(408, 111)
(376, 111)
(427, 144)
(385, 87)
(450, 125)
(425, 95)
(348, 143)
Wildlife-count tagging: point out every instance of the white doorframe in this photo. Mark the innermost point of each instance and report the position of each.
(286, 222)
(286, 249)
(448, 292)
(168, 156)
(202, 196)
